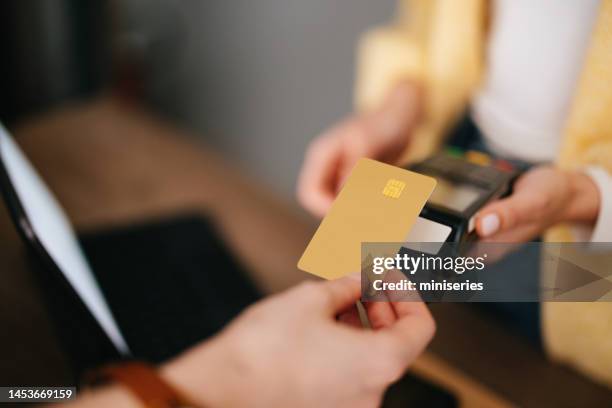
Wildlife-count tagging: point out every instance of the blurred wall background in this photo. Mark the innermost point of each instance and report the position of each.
(258, 79)
(255, 79)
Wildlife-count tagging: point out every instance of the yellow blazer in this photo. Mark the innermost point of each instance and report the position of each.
(441, 43)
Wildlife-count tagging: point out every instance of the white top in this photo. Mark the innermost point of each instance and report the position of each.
(534, 58)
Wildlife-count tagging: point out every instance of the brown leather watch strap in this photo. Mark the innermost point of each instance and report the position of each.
(144, 382)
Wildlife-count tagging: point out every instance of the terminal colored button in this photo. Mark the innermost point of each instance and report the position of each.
(504, 165)
(479, 158)
(454, 151)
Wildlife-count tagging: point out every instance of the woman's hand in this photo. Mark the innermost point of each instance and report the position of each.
(382, 135)
(305, 348)
(542, 197)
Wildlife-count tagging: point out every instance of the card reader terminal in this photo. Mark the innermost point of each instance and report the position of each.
(467, 181)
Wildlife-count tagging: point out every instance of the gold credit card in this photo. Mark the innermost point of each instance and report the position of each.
(378, 203)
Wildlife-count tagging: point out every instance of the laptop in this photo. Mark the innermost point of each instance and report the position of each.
(146, 291)
(54, 246)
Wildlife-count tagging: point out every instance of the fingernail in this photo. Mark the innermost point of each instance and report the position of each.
(489, 225)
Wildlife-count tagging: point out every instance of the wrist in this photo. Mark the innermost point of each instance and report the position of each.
(208, 375)
(584, 201)
(109, 396)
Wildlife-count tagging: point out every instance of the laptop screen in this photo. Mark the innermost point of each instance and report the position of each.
(49, 225)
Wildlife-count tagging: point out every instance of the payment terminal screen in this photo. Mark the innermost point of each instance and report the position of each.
(457, 197)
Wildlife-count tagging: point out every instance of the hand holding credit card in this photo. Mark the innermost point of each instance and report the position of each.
(378, 203)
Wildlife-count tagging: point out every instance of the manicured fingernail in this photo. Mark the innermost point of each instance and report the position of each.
(489, 225)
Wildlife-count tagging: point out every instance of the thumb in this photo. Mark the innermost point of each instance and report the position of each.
(341, 293)
(503, 214)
